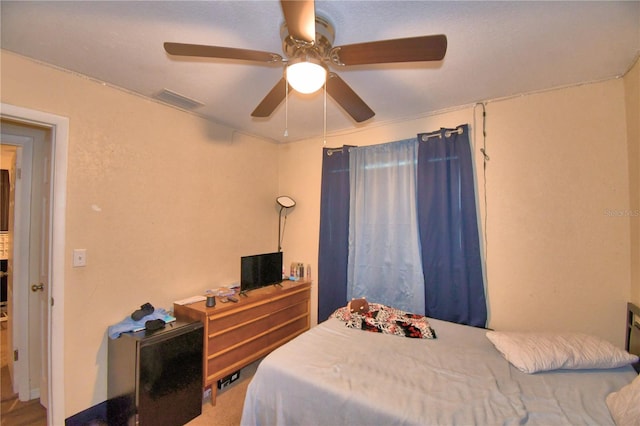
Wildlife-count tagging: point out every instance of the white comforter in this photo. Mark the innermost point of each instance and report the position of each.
(333, 375)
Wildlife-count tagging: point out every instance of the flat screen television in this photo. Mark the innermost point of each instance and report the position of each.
(260, 270)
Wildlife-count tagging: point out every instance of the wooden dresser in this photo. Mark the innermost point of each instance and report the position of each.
(237, 334)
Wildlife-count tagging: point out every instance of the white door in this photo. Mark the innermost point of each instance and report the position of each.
(19, 265)
(44, 284)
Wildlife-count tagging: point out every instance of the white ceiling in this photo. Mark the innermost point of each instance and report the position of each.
(495, 50)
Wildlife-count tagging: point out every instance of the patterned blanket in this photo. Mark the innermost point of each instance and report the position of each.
(384, 319)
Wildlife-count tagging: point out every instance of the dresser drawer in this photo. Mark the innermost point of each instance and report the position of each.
(221, 339)
(222, 363)
(249, 310)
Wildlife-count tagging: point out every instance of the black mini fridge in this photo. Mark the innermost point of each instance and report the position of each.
(155, 377)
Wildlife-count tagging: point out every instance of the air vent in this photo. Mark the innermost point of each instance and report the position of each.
(178, 100)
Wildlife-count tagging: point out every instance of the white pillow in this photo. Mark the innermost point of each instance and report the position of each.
(531, 352)
(624, 405)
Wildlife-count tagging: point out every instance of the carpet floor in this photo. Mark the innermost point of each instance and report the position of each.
(228, 408)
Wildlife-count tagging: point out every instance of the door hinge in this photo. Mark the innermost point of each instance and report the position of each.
(18, 173)
(15, 355)
(52, 301)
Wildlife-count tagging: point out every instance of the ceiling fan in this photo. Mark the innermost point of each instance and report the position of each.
(307, 43)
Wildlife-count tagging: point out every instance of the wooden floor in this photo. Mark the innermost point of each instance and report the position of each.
(14, 412)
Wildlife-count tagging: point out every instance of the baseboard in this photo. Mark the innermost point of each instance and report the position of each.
(34, 394)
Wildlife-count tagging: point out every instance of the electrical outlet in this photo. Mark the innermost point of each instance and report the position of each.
(79, 257)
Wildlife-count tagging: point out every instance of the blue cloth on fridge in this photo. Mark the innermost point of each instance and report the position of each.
(128, 324)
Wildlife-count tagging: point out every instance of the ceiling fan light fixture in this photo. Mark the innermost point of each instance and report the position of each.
(306, 75)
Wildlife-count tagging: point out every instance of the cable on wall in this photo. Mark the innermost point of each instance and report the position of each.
(486, 158)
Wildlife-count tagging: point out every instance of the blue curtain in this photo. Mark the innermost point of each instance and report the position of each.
(451, 258)
(334, 231)
(448, 230)
(384, 248)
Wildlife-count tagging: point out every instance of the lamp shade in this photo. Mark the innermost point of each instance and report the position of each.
(286, 202)
(306, 76)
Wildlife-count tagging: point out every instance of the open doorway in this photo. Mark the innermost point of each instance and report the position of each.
(26, 151)
(49, 185)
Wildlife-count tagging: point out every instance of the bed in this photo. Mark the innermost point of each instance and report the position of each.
(336, 375)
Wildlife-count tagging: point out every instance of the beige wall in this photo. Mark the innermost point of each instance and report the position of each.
(164, 202)
(632, 91)
(556, 260)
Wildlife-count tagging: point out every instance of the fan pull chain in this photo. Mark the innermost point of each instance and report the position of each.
(324, 129)
(286, 108)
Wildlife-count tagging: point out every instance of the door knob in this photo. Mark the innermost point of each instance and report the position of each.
(37, 287)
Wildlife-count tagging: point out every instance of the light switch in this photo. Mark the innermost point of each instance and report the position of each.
(79, 257)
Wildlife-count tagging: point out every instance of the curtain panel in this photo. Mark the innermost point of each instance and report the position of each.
(334, 231)
(449, 233)
(384, 248)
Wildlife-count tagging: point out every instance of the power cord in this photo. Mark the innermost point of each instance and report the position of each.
(483, 150)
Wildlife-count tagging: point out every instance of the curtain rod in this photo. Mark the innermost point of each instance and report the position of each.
(447, 133)
(423, 138)
(330, 151)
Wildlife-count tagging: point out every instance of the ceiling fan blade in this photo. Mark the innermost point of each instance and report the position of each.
(300, 16)
(340, 91)
(412, 49)
(272, 100)
(220, 52)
